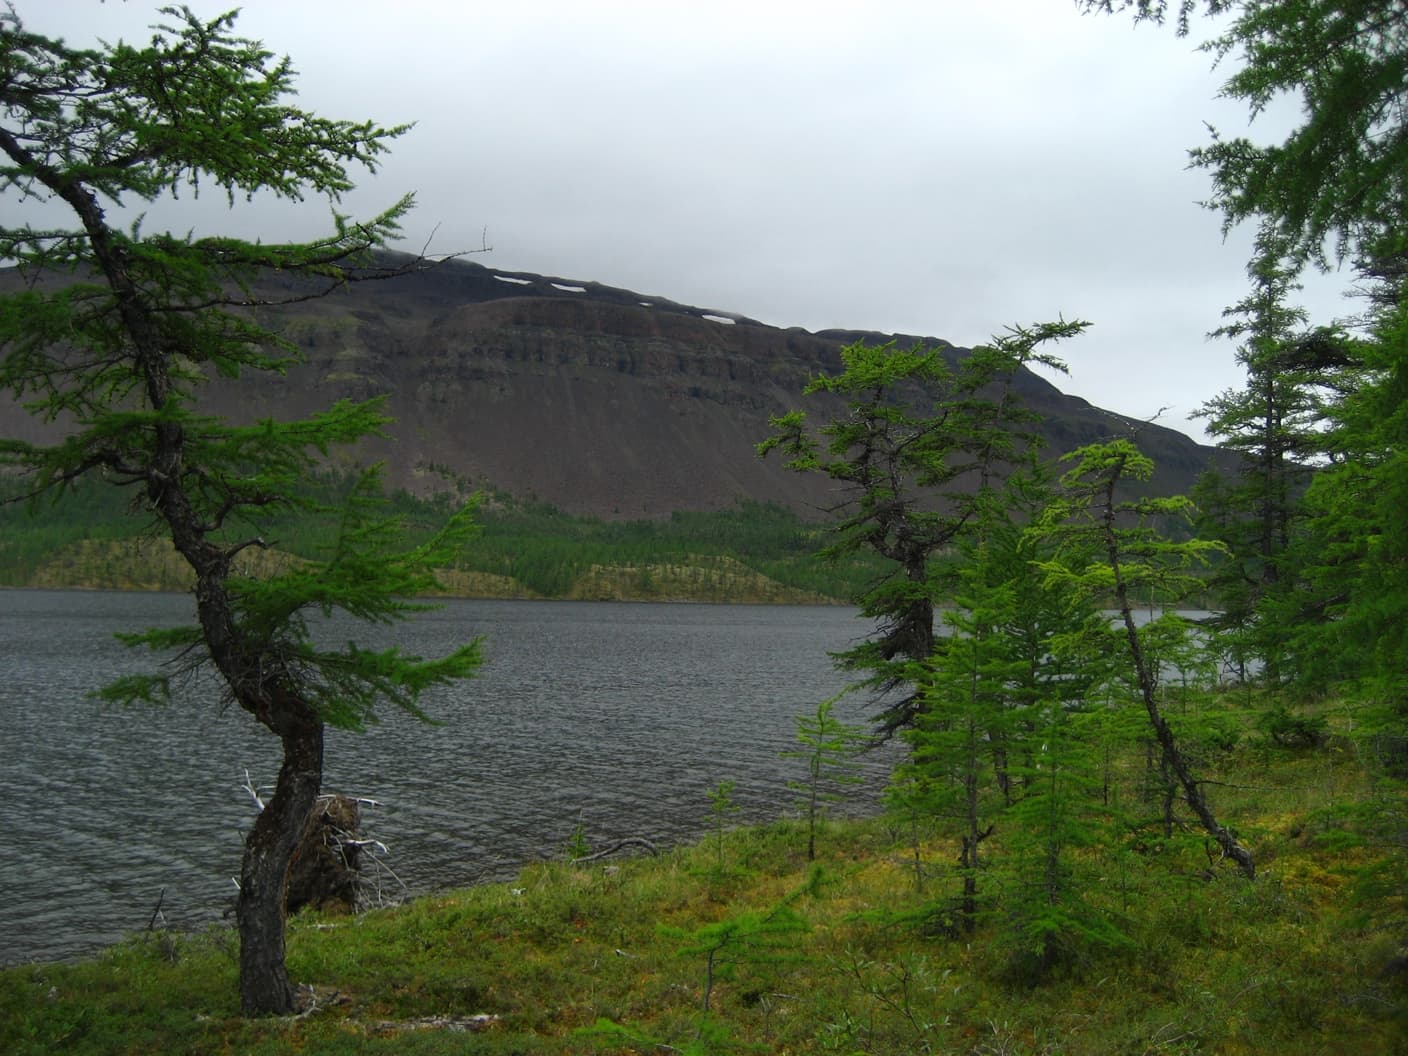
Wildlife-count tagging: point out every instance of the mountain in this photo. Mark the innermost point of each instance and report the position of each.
(594, 399)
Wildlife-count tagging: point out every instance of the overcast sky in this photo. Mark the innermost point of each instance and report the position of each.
(941, 167)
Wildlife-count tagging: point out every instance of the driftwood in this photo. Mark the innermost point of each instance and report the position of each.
(629, 841)
(455, 1024)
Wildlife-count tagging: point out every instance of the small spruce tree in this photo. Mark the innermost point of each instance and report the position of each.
(721, 805)
(830, 757)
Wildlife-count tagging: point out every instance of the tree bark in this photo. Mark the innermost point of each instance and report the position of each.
(1172, 755)
(262, 686)
(972, 835)
(265, 988)
(1177, 762)
(146, 350)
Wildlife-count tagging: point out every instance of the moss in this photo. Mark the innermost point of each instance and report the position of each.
(570, 959)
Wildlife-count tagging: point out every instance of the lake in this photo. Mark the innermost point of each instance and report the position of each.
(621, 717)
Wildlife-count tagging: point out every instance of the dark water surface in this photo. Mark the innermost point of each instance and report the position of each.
(622, 716)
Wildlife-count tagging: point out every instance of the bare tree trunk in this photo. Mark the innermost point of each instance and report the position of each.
(1173, 756)
(265, 690)
(1177, 762)
(264, 983)
(813, 805)
(972, 834)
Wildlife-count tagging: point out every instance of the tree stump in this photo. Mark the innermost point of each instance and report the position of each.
(324, 871)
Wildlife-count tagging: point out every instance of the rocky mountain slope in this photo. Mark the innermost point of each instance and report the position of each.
(594, 399)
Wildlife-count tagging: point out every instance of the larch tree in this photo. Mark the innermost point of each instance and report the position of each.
(1135, 557)
(113, 340)
(1334, 187)
(998, 687)
(1332, 190)
(920, 439)
(829, 750)
(1275, 424)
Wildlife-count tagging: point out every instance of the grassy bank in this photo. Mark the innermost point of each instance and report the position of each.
(844, 955)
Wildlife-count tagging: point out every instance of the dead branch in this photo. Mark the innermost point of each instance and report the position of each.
(629, 841)
(253, 792)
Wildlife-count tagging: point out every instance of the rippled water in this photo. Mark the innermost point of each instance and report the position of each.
(622, 716)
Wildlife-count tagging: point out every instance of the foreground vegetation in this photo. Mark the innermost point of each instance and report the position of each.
(1037, 885)
(847, 954)
(755, 552)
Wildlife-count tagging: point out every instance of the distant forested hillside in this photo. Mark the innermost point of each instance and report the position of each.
(753, 552)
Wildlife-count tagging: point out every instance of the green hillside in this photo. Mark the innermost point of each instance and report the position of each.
(94, 538)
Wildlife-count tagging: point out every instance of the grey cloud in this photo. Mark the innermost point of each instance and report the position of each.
(928, 168)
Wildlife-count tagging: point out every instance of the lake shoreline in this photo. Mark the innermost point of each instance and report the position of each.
(619, 717)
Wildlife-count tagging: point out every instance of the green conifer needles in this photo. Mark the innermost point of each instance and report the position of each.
(120, 331)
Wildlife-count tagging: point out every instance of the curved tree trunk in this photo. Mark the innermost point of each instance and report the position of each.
(1173, 756)
(264, 984)
(125, 367)
(265, 690)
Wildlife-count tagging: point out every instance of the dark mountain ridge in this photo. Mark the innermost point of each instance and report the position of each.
(594, 399)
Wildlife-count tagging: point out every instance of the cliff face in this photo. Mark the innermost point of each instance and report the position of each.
(594, 399)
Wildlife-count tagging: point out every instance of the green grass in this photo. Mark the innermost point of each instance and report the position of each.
(616, 957)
